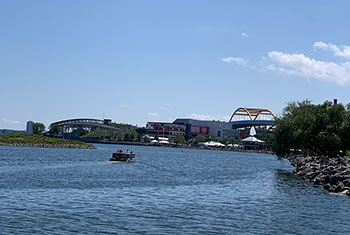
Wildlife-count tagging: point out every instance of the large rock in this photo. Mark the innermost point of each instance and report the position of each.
(345, 171)
(345, 192)
(321, 179)
(339, 188)
(308, 159)
(333, 179)
(327, 187)
(346, 182)
(305, 171)
(332, 173)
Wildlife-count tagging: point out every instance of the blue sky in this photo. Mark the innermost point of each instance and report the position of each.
(139, 61)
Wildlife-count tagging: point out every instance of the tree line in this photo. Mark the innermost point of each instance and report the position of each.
(321, 130)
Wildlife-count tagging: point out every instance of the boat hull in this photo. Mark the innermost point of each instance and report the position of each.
(123, 157)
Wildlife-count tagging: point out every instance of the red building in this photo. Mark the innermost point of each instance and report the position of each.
(171, 129)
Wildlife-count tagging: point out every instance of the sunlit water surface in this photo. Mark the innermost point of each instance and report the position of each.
(167, 190)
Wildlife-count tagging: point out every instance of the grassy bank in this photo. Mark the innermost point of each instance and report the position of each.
(22, 139)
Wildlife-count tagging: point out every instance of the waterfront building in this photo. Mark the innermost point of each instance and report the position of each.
(217, 129)
(192, 128)
(29, 128)
(165, 129)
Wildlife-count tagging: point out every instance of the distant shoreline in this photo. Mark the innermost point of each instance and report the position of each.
(71, 146)
(24, 140)
(180, 146)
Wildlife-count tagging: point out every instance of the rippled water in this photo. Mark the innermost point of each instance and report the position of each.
(177, 191)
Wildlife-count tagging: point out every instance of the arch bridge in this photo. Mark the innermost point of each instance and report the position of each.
(262, 120)
(72, 128)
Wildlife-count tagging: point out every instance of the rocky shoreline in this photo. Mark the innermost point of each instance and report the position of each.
(331, 173)
(72, 146)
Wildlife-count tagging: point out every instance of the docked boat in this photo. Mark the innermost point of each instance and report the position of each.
(120, 156)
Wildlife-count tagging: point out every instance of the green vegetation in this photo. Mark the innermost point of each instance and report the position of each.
(24, 139)
(124, 127)
(228, 141)
(201, 139)
(120, 136)
(133, 135)
(100, 133)
(7, 131)
(179, 139)
(38, 128)
(322, 130)
(268, 138)
(127, 133)
(55, 130)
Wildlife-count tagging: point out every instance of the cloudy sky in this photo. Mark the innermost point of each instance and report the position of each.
(139, 61)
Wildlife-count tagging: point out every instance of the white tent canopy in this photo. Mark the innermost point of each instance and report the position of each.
(252, 139)
(213, 144)
(164, 142)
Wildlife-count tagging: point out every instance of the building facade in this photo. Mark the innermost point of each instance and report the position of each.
(192, 128)
(217, 129)
(165, 129)
(29, 128)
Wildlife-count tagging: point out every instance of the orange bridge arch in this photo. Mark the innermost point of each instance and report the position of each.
(252, 113)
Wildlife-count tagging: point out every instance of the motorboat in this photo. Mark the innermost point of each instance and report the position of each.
(121, 156)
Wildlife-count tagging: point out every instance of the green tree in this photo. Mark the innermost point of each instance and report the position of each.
(126, 137)
(179, 138)
(120, 136)
(38, 128)
(81, 132)
(146, 139)
(201, 139)
(269, 139)
(225, 140)
(314, 129)
(55, 130)
(132, 134)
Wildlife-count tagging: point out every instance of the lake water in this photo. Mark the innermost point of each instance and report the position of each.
(168, 190)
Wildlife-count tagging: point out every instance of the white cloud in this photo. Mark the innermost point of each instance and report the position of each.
(338, 51)
(304, 66)
(208, 117)
(126, 106)
(237, 60)
(301, 65)
(244, 35)
(153, 114)
(11, 121)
